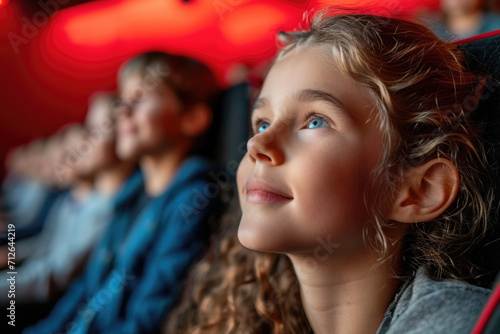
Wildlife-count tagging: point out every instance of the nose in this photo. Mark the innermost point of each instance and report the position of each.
(122, 111)
(266, 148)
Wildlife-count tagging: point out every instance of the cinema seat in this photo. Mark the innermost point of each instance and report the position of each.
(483, 57)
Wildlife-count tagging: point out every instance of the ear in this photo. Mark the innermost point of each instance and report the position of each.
(426, 191)
(196, 120)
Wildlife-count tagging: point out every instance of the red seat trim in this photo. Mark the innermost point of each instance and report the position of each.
(478, 37)
(487, 312)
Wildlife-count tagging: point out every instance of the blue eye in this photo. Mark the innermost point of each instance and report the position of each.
(316, 123)
(262, 127)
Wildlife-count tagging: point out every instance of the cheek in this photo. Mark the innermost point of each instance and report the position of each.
(145, 120)
(330, 188)
(149, 128)
(104, 153)
(327, 190)
(156, 125)
(242, 174)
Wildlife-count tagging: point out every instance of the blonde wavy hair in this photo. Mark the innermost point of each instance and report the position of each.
(424, 97)
(237, 290)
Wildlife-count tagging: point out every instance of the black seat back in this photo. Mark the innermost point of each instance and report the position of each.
(483, 58)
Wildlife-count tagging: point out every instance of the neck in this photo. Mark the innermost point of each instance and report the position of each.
(159, 169)
(345, 293)
(109, 181)
(81, 189)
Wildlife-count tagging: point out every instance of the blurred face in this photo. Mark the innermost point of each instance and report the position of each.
(148, 120)
(14, 160)
(65, 157)
(460, 7)
(36, 155)
(100, 133)
(315, 143)
(45, 161)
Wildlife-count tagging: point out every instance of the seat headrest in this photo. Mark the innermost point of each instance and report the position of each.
(483, 58)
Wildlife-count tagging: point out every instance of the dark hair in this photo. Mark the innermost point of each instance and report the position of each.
(192, 81)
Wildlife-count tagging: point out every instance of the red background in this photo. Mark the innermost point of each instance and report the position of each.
(51, 60)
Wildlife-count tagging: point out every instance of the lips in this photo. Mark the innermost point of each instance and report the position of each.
(126, 130)
(259, 191)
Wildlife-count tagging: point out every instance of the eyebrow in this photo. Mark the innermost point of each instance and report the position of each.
(306, 95)
(260, 103)
(313, 95)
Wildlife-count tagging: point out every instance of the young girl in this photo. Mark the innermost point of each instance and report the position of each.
(366, 170)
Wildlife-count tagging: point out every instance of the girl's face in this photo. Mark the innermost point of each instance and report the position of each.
(100, 130)
(148, 121)
(316, 141)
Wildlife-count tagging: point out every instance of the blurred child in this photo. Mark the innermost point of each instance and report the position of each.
(467, 18)
(23, 190)
(161, 225)
(77, 220)
(34, 184)
(366, 170)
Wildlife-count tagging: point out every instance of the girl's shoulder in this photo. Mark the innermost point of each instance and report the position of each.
(424, 305)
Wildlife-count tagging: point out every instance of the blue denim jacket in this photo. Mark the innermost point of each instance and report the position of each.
(434, 307)
(134, 276)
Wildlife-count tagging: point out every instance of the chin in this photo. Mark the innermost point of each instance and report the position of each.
(257, 239)
(247, 238)
(126, 152)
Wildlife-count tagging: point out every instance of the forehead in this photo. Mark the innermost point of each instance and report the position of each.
(313, 68)
(136, 84)
(130, 81)
(73, 136)
(99, 110)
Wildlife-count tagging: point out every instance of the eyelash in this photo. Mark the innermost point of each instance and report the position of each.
(309, 116)
(256, 124)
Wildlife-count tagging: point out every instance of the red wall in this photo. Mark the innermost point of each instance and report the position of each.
(49, 67)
